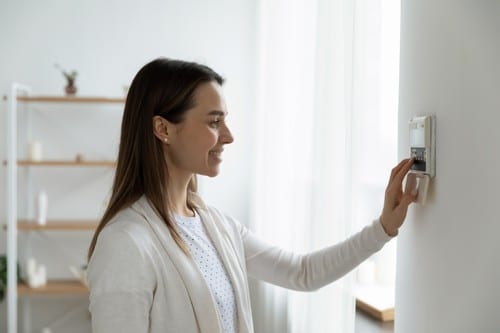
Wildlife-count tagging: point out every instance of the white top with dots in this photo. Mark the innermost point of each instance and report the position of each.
(210, 264)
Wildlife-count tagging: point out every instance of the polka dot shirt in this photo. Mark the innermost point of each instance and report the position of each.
(205, 255)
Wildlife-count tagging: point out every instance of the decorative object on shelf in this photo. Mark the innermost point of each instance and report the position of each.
(125, 88)
(79, 158)
(35, 151)
(36, 274)
(3, 275)
(42, 205)
(70, 88)
(80, 273)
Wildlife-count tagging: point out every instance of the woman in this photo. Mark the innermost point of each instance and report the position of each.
(161, 260)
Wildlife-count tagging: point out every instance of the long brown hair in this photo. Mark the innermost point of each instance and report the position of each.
(166, 88)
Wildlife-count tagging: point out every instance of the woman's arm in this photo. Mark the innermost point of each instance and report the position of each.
(315, 270)
(311, 271)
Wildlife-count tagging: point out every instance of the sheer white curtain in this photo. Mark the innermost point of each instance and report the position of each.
(325, 139)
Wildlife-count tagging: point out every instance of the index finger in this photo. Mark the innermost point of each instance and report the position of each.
(403, 171)
(397, 168)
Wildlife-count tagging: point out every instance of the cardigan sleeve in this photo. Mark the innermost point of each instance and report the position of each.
(121, 283)
(307, 272)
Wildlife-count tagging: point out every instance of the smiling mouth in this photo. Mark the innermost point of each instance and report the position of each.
(216, 153)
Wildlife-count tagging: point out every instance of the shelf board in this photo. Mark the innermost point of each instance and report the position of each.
(71, 99)
(56, 287)
(72, 163)
(57, 225)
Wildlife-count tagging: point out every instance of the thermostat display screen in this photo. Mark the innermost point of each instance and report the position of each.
(417, 136)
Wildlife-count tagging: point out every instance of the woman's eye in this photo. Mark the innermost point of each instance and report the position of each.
(215, 122)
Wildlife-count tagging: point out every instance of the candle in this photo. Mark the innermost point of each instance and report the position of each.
(35, 151)
(42, 203)
(37, 274)
(31, 271)
(42, 275)
(30, 266)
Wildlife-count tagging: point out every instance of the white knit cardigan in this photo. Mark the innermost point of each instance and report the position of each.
(141, 282)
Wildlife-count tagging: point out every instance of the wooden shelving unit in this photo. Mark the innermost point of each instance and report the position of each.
(67, 99)
(20, 94)
(63, 287)
(67, 163)
(56, 225)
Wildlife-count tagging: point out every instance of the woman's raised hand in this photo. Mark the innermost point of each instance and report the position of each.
(396, 201)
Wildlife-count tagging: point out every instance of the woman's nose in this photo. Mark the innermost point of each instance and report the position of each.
(226, 135)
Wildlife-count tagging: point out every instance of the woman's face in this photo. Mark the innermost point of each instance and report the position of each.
(195, 145)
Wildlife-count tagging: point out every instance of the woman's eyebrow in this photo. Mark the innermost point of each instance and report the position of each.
(217, 113)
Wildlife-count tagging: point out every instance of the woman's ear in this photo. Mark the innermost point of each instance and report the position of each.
(161, 129)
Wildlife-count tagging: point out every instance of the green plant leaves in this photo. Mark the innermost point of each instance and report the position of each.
(3, 275)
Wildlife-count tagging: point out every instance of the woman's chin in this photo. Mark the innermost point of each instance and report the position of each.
(211, 173)
(214, 174)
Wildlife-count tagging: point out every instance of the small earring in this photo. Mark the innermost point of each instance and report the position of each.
(165, 140)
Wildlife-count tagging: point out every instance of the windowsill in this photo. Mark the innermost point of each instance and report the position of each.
(376, 300)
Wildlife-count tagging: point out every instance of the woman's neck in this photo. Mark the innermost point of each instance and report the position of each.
(177, 188)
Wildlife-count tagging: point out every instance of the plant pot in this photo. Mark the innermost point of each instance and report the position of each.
(70, 88)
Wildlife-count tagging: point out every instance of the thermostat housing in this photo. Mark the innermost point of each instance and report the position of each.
(423, 144)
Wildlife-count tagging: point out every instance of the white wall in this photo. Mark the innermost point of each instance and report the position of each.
(107, 42)
(448, 270)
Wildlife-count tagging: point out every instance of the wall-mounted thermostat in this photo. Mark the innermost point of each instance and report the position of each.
(423, 144)
(423, 149)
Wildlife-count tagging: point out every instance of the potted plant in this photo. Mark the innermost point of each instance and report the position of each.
(70, 88)
(3, 275)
